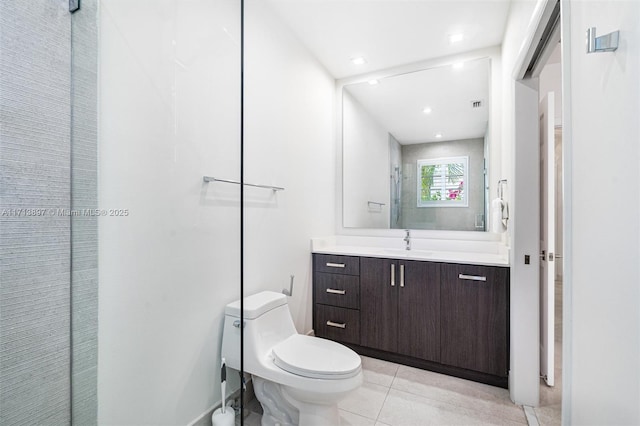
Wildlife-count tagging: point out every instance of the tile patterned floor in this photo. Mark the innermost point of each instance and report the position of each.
(397, 395)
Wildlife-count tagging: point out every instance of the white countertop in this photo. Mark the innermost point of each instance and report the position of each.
(492, 256)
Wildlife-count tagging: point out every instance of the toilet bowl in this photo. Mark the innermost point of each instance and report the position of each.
(298, 379)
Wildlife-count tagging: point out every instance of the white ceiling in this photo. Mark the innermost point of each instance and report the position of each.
(397, 103)
(389, 33)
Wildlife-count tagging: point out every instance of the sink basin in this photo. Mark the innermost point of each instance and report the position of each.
(395, 251)
(407, 253)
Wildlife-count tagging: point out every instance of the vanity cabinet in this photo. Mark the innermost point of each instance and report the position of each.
(445, 317)
(474, 318)
(400, 307)
(336, 297)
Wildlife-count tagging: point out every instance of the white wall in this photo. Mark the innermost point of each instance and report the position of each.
(289, 142)
(365, 167)
(603, 373)
(170, 113)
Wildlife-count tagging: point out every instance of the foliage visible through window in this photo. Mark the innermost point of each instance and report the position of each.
(442, 182)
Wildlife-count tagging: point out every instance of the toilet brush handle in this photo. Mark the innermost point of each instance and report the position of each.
(223, 384)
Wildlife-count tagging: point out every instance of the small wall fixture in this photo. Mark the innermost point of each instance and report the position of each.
(605, 43)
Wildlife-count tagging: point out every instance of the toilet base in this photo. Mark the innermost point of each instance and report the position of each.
(284, 409)
(316, 414)
(276, 409)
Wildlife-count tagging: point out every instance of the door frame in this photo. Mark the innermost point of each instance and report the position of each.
(524, 386)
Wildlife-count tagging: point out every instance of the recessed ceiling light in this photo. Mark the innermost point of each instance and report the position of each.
(458, 65)
(427, 110)
(359, 60)
(455, 38)
(373, 82)
(438, 135)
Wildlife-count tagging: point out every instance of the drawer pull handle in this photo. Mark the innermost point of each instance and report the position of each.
(472, 277)
(334, 291)
(393, 275)
(401, 275)
(335, 265)
(336, 324)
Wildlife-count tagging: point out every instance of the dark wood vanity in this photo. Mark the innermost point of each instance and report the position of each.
(445, 317)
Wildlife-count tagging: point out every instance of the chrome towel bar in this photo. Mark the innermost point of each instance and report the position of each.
(208, 179)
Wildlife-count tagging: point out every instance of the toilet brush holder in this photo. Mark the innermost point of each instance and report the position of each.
(228, 418)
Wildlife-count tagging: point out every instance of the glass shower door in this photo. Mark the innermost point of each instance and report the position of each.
(117, 259)
(169, 245)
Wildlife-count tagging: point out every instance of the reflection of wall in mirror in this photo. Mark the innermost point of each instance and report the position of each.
(365, 168)
(443, 218)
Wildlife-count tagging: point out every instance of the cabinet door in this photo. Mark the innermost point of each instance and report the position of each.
(419, 310)
(474, 319)
(378, 304)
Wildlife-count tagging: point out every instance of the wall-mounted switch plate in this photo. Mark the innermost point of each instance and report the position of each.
(527, 259)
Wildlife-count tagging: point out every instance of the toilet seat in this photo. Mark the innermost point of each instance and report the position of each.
(316, 358)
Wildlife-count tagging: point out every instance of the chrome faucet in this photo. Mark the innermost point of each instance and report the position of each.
(407, 239)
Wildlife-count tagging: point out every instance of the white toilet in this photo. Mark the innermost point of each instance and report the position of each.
(298, 379)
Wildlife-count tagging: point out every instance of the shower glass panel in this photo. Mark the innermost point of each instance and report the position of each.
(117, 259)
(84, 224)
(169, 243)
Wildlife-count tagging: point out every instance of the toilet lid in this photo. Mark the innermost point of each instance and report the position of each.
(316, 358)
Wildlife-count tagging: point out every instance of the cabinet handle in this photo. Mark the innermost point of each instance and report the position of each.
(472, 277)
(334, 291)
(393, 275)
(335, 265)
(401, 275)
(336, 324)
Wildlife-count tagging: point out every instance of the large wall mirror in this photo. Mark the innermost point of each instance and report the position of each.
(415, 149)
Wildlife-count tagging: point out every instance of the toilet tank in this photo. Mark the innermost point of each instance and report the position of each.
(267, 321)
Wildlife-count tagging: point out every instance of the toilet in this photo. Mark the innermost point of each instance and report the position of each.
(298, 379)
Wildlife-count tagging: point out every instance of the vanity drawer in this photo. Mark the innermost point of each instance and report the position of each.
(337, 290)
(334, 264)
(339, 324)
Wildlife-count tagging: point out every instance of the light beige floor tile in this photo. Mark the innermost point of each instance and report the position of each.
(366, 401)
(378, 371)
(381, 424)
(550, 396)
(408, 375)
(489, 400)
(254, 406)
(350, 419)
(406, 409)
(253, 419)
(549, 415)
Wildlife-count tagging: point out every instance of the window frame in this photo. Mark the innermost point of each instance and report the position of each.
(463, 202)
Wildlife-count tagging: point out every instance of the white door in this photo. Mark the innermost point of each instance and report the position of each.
(557, 258)
(547, 237)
